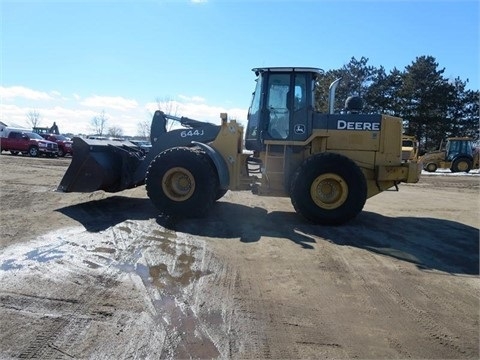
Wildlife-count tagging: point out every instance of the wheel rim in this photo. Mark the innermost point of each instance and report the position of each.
(329, 191)
(33, 152)
(178, 184)
(462, 165)
(431, 167)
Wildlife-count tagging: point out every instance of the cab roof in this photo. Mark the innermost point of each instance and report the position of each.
(287, 69)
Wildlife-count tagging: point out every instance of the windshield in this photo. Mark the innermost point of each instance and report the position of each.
(255, 106)
(455, 147)
(33, 135)
(252, 133)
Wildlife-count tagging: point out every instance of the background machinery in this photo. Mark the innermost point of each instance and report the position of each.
(410, 148)
(459, 155)
(327, 163)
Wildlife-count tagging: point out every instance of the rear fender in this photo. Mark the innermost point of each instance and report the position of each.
(463, 156)
(174, 138)
(219, 162)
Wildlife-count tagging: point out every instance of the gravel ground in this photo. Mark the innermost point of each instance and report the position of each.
(102, 276)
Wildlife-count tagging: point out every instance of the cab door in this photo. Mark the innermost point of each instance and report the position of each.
(287, 106)
(277, 106)
(301, 111)
(281, 108)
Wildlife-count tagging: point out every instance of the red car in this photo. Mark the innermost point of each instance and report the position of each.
(28, 143)
(64, 143)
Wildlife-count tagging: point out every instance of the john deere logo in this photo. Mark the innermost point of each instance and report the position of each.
(357, 125)
(299, 129)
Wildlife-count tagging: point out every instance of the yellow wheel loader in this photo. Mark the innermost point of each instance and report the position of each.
(409, 148)
(327, 163)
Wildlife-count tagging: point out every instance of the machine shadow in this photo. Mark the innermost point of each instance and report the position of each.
(435, 244)
(98, 215)
(429, 243)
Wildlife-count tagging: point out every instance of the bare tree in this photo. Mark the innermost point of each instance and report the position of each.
(143, 129)
(167, 105)
(99, 123)
(115, 131)
(33, 118)
(170, 107)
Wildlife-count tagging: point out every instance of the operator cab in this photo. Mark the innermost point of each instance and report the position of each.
(282, 105)
(458, 147)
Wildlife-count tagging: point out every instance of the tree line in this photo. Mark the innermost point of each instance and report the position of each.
(432, 107)
(99, 124)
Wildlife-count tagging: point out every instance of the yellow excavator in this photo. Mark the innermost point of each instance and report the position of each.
(327, 163)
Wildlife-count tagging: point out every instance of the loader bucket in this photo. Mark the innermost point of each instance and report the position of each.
(101, 165)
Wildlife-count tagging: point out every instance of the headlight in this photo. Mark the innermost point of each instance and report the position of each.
(42, 144)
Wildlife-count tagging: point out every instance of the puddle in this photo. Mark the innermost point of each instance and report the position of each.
(10, 264)
(168, 265)
(43, 256)
(159, 276)
(40, 255)
(168, 268)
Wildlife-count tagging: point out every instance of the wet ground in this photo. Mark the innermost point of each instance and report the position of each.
(102, 276)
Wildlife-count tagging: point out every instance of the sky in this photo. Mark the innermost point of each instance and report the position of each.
(71, 61)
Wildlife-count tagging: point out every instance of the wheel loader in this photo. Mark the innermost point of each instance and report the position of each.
(327, 163)
(459, 155)
(409, 148)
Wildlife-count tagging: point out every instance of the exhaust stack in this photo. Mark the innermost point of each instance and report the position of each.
(331, 95)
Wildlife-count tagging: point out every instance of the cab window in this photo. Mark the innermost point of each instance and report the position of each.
(279, 114)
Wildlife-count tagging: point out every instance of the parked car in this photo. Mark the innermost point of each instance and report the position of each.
(65, 145)
(97, 137)
(145, 145)
(27, 143)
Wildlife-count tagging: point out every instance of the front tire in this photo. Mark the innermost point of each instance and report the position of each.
(181, 182)
(328, 189)
(33, 151)
(431, 167)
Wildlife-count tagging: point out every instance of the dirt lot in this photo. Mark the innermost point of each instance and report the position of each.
(102, 276)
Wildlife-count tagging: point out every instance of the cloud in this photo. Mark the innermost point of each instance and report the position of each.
(196, 99)
(70, 120)
(74, 115)
(13, 114)
(198, 110)
(12, 92)
(110, 102)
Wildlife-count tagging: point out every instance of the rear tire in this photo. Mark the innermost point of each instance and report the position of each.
(328, 189)
(181, 182)
(13, 152)
(461, 165)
